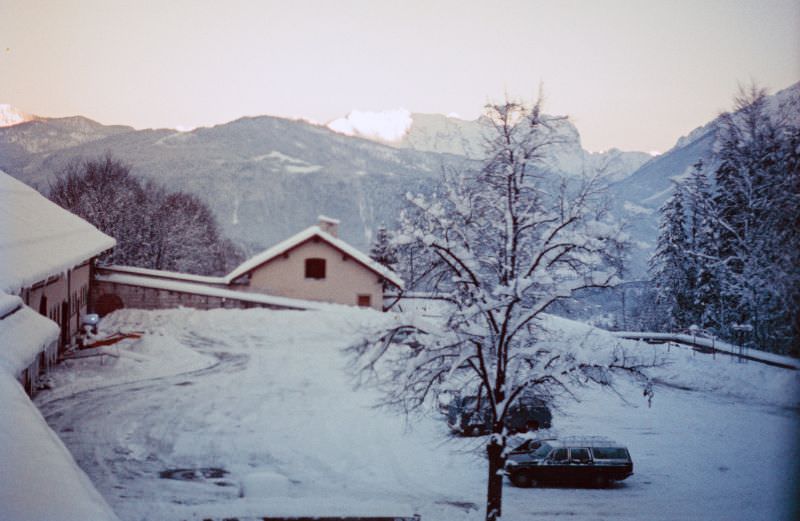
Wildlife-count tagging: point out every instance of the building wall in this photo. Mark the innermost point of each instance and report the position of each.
(71, 288)
(44, 361)
(345, 279)
(138, 297)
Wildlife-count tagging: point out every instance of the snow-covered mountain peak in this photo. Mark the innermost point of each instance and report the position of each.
(388, 126)
(11, 116)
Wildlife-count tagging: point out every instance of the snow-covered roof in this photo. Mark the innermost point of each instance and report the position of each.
(38, 238)
(309, 233)
(201, 289)
(40, 479)
(24, 333)
(164, 274)
(327, 219)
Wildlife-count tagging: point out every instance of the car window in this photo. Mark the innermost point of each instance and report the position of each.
(580, 455)
(525, 447)
(610, 453)
(560, 455)
(542, 451)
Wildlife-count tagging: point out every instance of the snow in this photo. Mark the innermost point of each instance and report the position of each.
(40, 480)
(713, 343)
(38, 238)
(24, 333)
(8, 303)
(299, 238)
(279, 412)
(387, 125)
(11, 116)
(164, 274)
(636, 209)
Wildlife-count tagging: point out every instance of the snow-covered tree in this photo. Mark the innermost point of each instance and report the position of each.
(670, 266)
(757, 215)
(154, 228)
(737, 259)
(382, 251)
(702, 246)
(500, 246)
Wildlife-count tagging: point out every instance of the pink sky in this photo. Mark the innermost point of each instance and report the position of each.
(633, 74)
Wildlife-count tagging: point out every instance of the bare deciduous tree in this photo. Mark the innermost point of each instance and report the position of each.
(154, 228)
(500, 246)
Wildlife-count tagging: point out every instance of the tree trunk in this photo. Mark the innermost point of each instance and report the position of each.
(494, 494)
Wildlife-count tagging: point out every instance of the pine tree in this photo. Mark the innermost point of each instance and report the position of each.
(382, 250)
(702, 243)
(670, 267)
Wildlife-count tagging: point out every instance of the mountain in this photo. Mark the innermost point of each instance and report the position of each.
(11, 116)
(452, 135)
(264, 177)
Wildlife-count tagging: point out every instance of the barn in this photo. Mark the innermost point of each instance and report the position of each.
(46, 261)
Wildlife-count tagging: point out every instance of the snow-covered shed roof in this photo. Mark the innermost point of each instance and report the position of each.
(40, 479)
(211, 291)
(303, 236)
(164, 274)
(24, 333)
(38, 238)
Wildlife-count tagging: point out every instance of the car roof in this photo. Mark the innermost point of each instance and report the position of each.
(584, 441)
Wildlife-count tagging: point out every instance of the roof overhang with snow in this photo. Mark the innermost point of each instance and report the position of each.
(38, 238)
(304, 236)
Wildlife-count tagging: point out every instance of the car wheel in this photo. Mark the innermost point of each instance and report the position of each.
(600, 481)
(523, 480)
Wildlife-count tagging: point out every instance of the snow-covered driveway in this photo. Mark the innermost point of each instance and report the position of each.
(262, 419)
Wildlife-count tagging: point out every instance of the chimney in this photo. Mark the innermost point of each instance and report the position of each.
(328, 225)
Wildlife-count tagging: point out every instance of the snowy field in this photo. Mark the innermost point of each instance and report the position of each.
(231, 413)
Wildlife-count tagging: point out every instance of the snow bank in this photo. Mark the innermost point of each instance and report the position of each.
(38, 238)
(156, 354)
(39, 479)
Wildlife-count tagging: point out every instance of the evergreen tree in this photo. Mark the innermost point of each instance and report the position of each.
(757, 218)
(702, 253)
(669, 266)
(729, 247)
(382, 250)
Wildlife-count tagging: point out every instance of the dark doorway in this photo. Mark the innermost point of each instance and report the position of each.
(64, 323)
(108, 303)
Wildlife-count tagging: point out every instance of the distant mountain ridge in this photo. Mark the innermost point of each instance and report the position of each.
(267, 178)
(452, 135)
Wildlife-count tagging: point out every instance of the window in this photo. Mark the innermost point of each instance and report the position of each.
(560, 455)
(610, 453)
(580, 455)
(315, 268)
(364, 301)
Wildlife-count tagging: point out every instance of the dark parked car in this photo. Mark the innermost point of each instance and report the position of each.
(469, 418)
(583, 461)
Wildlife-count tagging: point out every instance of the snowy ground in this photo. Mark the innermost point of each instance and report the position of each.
(259, 403)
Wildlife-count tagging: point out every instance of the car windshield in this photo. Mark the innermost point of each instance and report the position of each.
(610, 453)
(542, 451)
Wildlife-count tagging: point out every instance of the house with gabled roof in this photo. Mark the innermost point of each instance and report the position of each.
(316, 265)
(311, 267)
